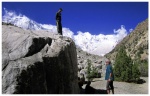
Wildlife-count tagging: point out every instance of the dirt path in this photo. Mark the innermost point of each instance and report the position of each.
(122, 87)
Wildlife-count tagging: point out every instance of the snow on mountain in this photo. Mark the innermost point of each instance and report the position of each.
(95, 44)
(21, 21)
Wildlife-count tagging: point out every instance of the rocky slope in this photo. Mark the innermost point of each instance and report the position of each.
(136, 43)
(37, 62)
(97, 62)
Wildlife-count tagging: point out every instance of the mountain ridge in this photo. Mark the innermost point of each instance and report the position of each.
(136, 46)
(86, 41)
(136, 38)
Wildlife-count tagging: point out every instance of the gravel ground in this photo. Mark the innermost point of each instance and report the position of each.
(122, 87)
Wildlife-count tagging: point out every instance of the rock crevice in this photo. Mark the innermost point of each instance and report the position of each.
(38, 62)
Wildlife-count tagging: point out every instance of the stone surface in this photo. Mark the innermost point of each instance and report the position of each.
(97, 62)
(38, 62)
(121, 87)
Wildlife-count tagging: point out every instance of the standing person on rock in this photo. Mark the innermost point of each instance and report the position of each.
(58, 21)
(109, 76)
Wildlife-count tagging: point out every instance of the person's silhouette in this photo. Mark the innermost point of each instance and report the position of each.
(89, 89)
(58, 21)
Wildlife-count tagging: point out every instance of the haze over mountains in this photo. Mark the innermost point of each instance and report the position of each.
(95, 44)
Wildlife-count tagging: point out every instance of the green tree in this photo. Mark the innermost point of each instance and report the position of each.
(135, 72)
(123, 66)
(124, 69)
(92, 72)
(88, 69)
(143, 68)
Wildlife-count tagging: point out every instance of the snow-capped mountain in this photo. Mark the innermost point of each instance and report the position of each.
(21, 21)
(95, 44)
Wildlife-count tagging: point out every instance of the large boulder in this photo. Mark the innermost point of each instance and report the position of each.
(38, 62)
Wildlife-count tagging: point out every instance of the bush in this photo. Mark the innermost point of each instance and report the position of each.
(91, 71)
(129, 49)
(124, 70)
(135, 72)
(144, 68)
(141, 50)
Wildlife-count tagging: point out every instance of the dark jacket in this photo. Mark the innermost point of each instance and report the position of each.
(58, 16)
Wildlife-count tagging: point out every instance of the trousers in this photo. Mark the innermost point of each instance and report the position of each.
(109, 85)
(59, 27)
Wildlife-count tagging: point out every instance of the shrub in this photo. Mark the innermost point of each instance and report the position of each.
(92, 72)
(124, 70)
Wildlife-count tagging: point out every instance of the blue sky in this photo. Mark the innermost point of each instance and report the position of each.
(93, 17)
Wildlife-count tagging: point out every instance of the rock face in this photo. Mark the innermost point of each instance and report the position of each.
(37, 62)
(97, 62)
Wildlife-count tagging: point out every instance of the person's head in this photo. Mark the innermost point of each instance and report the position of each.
(78, 78)
(88, 83)
(108, 62)
(60, 10)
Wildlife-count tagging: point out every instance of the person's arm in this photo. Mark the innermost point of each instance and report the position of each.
(110, 75)
(56, 15)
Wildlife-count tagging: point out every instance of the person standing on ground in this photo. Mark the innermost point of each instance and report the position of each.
(109, 77)
(58, 21)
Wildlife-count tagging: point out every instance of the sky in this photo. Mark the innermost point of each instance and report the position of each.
(96, 27)
(93, 17)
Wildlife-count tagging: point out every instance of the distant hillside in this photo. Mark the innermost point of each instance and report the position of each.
(136, 44)
(97, 62)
